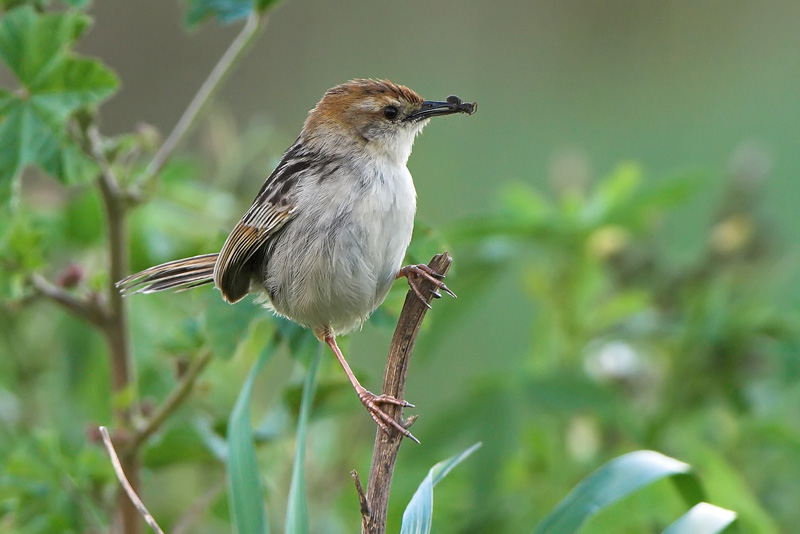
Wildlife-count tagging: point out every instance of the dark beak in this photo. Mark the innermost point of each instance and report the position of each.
(431, 108)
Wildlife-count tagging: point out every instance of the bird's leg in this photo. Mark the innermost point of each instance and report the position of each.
(414, 272)
(369, 399)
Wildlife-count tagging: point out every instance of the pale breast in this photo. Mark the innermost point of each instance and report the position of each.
(334, 263)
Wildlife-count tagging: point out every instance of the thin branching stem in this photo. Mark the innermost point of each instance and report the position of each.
(89, 310)
(172, 402)
(218, 74)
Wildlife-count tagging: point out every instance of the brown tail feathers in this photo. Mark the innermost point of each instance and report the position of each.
(176, 275)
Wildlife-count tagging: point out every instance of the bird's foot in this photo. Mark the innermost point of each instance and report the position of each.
(413, 273)
(383, 420)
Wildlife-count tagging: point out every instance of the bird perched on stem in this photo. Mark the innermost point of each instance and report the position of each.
(326, 235)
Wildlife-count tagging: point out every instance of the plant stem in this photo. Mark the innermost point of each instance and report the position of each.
(116, 325)
(87, 309)
(173, 400)
(115, 330)
(386, 445)
(220, 71)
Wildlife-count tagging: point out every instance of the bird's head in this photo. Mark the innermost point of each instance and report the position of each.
(374, 115)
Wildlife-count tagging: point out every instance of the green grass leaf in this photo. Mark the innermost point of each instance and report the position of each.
(54, 84)
(615, 480)
(245, 494)
(418, 515)
(297, 509)
(703, 518)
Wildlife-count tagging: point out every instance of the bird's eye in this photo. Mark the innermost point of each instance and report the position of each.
(390, 112)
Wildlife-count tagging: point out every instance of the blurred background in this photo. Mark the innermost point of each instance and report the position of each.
(622, 215)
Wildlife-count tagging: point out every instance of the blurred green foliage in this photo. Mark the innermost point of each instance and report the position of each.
(637, 339)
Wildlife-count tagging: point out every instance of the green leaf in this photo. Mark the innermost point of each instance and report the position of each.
(21, 251)
(227, 326)
(54, 84)
(703, 518)
(418, 515)
(615, 480)
(264, 5)
(297, 509)
(613, 192)
(524, 204)
(225, 11)
(245, 494)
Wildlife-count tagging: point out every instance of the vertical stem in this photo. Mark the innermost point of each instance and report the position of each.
(116, 328)
(117, 337)
(386, 445)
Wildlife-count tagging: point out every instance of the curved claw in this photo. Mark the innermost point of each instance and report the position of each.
(381, 418)
(412, 272)
(388, 399)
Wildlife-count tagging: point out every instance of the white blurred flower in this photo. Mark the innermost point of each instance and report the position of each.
(612, 360)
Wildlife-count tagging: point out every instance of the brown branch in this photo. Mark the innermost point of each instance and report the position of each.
(88, 310)
(173, 400)
(115, 328)
(123, 480)
(386, 445)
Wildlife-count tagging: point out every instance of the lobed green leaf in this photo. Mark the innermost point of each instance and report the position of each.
(54, 84)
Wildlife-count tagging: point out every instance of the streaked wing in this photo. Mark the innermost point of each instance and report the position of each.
(270, 211)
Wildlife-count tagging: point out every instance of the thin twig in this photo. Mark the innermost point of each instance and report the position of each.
(362, 498)
(123, 480)
(220, 71)
(89, 310)
(173, 400)
(386, 446)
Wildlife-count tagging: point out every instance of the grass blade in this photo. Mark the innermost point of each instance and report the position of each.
(703, 518)
(615, 480)
(418, 515)
(297, 510)
(245, 494)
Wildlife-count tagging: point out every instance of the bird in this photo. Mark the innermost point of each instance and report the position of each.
(325, 237)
